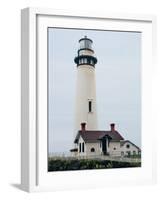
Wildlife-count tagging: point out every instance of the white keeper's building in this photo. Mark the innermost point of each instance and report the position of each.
(95, 142)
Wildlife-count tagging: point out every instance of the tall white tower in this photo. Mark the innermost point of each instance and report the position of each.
(86, 86)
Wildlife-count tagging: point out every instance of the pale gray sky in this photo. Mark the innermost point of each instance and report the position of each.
(118, 80)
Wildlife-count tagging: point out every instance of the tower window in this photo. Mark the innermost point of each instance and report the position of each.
(90, 106)
(92, 149)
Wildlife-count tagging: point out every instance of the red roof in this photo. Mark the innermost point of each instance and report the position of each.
(94, 136)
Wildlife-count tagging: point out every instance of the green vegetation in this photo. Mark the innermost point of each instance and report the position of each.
(134, 156)
(75, 164)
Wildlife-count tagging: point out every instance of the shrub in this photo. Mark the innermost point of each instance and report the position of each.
(75, 164)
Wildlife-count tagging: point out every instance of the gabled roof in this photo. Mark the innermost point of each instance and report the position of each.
(94, 136)
(127, 141)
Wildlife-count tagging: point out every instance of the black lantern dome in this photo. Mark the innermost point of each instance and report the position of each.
(85, 53)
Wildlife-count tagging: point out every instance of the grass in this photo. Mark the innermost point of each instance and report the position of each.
(84, 164)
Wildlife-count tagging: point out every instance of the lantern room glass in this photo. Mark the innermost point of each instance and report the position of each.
(85, 44)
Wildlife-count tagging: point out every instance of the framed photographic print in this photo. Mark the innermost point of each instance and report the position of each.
(86, 99)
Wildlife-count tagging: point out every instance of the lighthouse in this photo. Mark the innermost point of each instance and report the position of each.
(85, 110)
(90, 141)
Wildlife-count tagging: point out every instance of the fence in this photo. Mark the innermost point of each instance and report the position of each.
(63, 156)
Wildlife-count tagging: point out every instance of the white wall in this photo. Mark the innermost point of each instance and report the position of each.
(85, 90)
(131, 149)
(81, 141)
(87, 148)
(10, 98)
(114, 148)
(96, 146)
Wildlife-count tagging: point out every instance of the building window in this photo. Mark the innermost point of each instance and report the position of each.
(134, 152)
(128, 153)
(122, 153)
(90, 106)
(114, 148)
(92, 149)
(79, 147)
(127, 146)
(83, 147)
(100, 144)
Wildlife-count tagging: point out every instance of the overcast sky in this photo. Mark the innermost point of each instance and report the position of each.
(118, 83)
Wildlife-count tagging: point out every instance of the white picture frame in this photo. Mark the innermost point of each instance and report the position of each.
(34, 176)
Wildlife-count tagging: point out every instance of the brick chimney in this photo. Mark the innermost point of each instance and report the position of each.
(112, 127)
(83, 126)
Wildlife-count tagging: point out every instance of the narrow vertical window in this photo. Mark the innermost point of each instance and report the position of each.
(83, 147)
(90, 106)
(79, 147)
